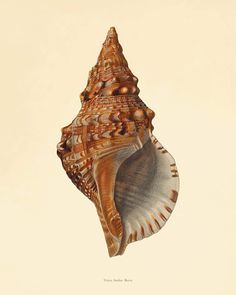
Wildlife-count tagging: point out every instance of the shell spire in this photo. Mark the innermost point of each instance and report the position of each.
(111, 75)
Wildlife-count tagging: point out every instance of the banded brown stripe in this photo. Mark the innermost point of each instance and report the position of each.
(155, 141)
(168, 209)
(129, 239)
(90, 181)
(162, 150)
(175, 175)
(151, 229)
(157, 223)
(135, 236)
(174, 170)
(174, 196)
(142, 231)
(162, 216)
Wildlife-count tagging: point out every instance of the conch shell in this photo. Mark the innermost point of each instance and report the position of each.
(111, 155)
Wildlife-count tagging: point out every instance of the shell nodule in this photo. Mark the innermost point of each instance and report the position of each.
(111, 155)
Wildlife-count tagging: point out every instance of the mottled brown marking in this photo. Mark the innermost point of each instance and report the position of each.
(135, 235)
(78, 148)
(174, 196)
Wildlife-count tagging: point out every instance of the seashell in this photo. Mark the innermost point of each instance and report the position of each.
(111, 155)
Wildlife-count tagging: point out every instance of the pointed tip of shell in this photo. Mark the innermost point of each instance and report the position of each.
(112, 39)
(112, 30)
(112, 33)
(111, 47)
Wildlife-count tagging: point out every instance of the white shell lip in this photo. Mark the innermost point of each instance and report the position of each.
(145, 194)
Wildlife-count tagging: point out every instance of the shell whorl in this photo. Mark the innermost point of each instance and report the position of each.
(111, 155)
(111, 75)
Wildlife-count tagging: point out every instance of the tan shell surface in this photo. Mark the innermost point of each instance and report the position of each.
(110, 154)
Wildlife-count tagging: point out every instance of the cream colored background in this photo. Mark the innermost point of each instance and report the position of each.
(183, 52)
